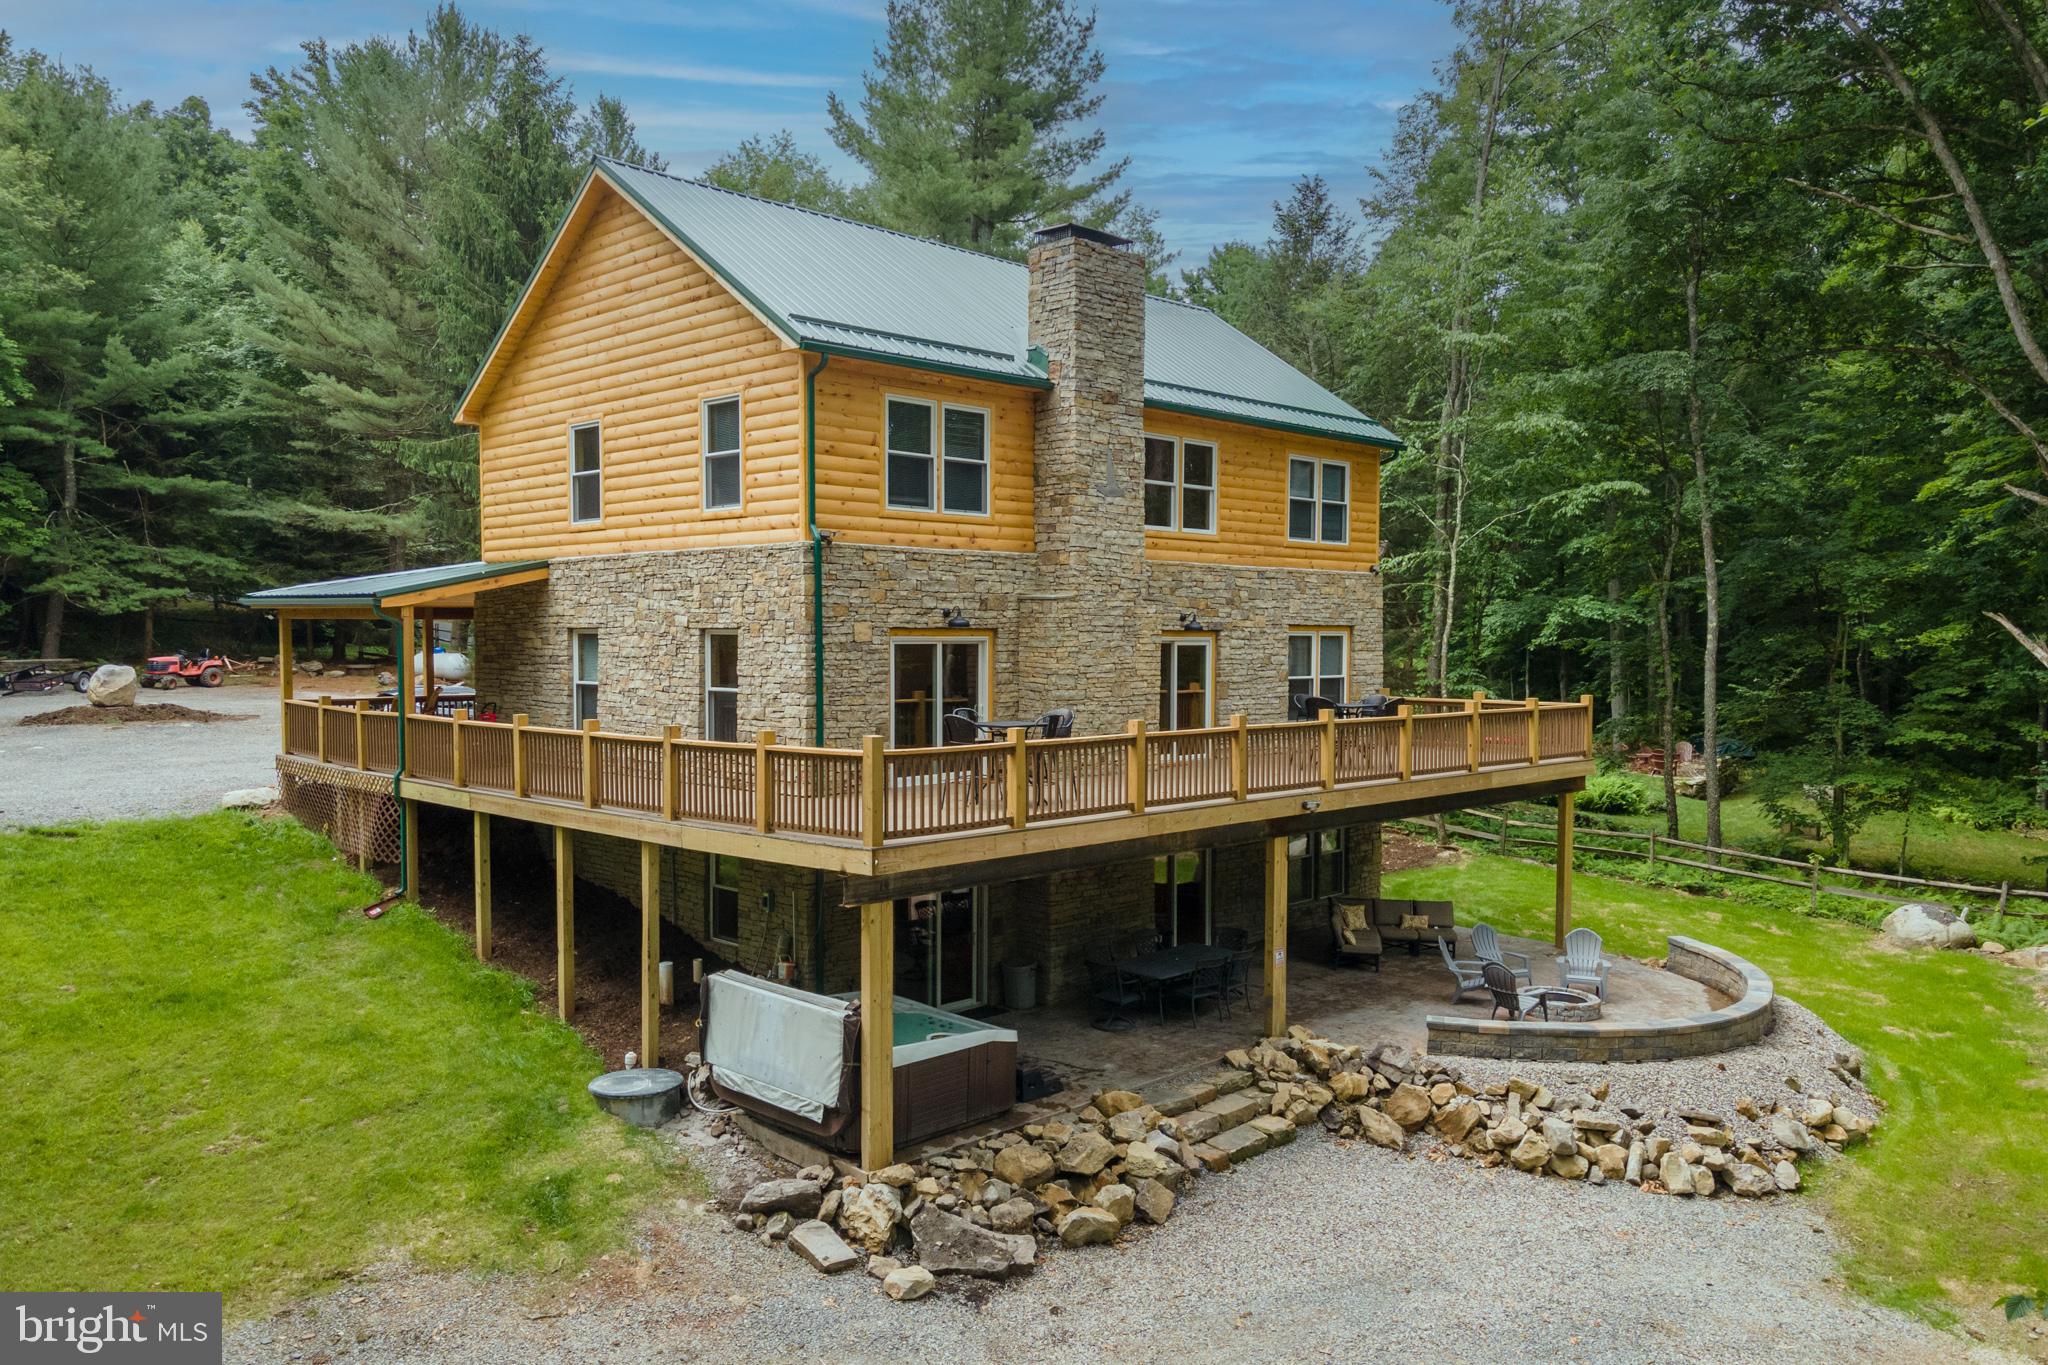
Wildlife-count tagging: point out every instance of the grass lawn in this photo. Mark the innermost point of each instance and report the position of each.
(1936, 848)
(220, 1076)
(1951, 1195)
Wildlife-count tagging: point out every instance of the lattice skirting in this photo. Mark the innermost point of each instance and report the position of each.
(354, 809)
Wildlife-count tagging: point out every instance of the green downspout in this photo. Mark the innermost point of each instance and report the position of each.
(817, 642)
(401, 646)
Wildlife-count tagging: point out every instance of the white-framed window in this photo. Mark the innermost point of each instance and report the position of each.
(722, 898)
(583, 676)
(720, 475)
(1318, 500)
(721, 684)
(1180, 484)
(1186, 682)
(1316, 665)
(935, 457)
(929, 677)
(586, 473)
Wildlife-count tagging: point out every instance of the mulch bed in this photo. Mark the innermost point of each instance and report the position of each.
(523, 938)
(1401, 852)
(141, 713)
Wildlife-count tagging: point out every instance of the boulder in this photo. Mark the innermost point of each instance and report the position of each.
(1119, 1201)
(778, 1226)
(1531, 1152)
(1128, 1126)
(1408, 1106)
(112, 685)
(1454, 1121)
(1153, 1201)
(899, 1175)
(1377, 1127)
(1785, 1176)
(1086, 1152)
(909, 1283)
(1088, 1226)
(1611, 1159)
(953, 1246)
(1114, 1102)
(869, 1215)
(1748, 1182)
(248, 798)
(784, 1196)
(1012, 1215)
(1571, 1166)
(1674, 1173)
(1561, 1136)
(1024, 1166)
(1142, 1162)
(881, 1266)
(1923, 924)
(817, 1243)
(1702, 1181)
(1789, 1133)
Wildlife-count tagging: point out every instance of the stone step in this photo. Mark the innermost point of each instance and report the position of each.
(1241, 1143)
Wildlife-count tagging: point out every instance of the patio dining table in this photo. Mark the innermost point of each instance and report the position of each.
(997, 729)
(1164, 965)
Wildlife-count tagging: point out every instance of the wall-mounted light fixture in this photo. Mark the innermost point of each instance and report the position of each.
(1311, 805)
(956, 619)
(1191, 621)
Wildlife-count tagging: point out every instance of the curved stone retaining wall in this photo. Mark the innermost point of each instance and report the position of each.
(1744, 1021)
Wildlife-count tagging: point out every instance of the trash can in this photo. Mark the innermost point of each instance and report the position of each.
(1020, 985)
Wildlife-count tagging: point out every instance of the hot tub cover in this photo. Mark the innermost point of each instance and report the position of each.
(780, 1045)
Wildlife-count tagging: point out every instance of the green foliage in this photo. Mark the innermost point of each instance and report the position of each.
(256, 1090)
(772, 167)
(1613, 794)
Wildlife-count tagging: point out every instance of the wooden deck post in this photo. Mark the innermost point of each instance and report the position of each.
(1328, 760)
(1019, 793)
(519, 781)
(650, 954)
(590, 764)
(1472, 732)
(1535, 732)
(1407, 715)
(1135, 770)
(412, 848)
(402, 703)
(877, 1035)
(320, 751)
(362, 709)
(874, 791)
(1563, 926)
(1240, 757)
(1276, 935)
(480, 856)
(284, 683)
(764, 782)
(1586, 700)
(565, 922)
(456, 771)
(671, 787)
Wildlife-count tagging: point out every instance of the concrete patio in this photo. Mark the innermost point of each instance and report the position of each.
(1347, 1004)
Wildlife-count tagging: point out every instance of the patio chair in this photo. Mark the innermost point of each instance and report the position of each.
(1508, 995)
(1470, 973)
(1353, 939)
(1582, 965)
(1237, 981)
(1310, 707)
(1233, 938)
(1207, 982)
(1111, 990)
(958, 727)
(1058, 723)
(1486, 947)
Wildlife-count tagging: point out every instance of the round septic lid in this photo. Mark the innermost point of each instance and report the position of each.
(638, 1083)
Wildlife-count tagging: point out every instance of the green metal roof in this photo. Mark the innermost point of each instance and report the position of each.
(371, 590)
(834, 285)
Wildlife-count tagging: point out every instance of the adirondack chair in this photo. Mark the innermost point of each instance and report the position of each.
(1507, 995)
(1486, 947)
(1469, 972)
(1581, 965)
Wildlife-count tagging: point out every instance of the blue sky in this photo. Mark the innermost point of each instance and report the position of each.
(1219, 105)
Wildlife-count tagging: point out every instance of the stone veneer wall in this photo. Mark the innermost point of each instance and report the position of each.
(1745, 1020)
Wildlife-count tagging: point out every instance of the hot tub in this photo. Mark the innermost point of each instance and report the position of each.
(793, 1058)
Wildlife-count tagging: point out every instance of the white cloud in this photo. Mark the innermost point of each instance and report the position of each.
(602, 64)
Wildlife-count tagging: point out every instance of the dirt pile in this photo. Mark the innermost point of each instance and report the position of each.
(142, 713)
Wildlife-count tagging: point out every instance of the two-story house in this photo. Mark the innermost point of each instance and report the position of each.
(767, 495)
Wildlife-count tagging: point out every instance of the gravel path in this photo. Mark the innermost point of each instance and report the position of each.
(55, 774)
(1315, 1250)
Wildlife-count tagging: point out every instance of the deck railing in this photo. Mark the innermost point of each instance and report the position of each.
(874, 795)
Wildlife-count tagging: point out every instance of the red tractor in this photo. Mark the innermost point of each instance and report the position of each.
(206, 669)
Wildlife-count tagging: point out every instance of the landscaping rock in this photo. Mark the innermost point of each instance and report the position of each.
(1128, 1126)
(1153, 1201)
(1612, 1160)
(1674, 1173)
(779, 1226)
(1086, 1152)
(1012, 1215)
(817, 1243)
(1377, 1127)
(1024, 1166)
(1531, 1152)
(1571, 1166)
(870, 1214)
(1114, 1102)
(1408, 1106)
(248, 798)
(1087, 1226)
(1454, 1121)
(1923, 924)
(1747, 1182)
(112, 685)
(801, 1197)
(947, 1245)
(1241, 1143)
(909, 1283)
(1786, 1176)
(1149, 1163)
(897, 1176)
(1118, 1201)
(1789, 1133)
(881, 1266)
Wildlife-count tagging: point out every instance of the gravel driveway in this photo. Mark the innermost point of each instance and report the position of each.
(55, 774)
(1313, 1251)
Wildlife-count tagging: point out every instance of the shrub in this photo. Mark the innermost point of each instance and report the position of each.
(1614, 794)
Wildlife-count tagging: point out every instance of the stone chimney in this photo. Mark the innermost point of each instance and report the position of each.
(1088, 315)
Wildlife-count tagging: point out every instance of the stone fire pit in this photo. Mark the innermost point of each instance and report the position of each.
(1569, 1006)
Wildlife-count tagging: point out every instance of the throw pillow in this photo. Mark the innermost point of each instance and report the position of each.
(1350, 936)
(1354, 917)
(1415, 921)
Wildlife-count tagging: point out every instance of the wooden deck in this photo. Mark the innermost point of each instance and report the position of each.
(875, 812)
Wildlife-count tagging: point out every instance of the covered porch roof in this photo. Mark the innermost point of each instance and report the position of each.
(443, 588)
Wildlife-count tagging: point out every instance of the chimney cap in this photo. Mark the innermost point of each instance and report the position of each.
(1059, 232)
